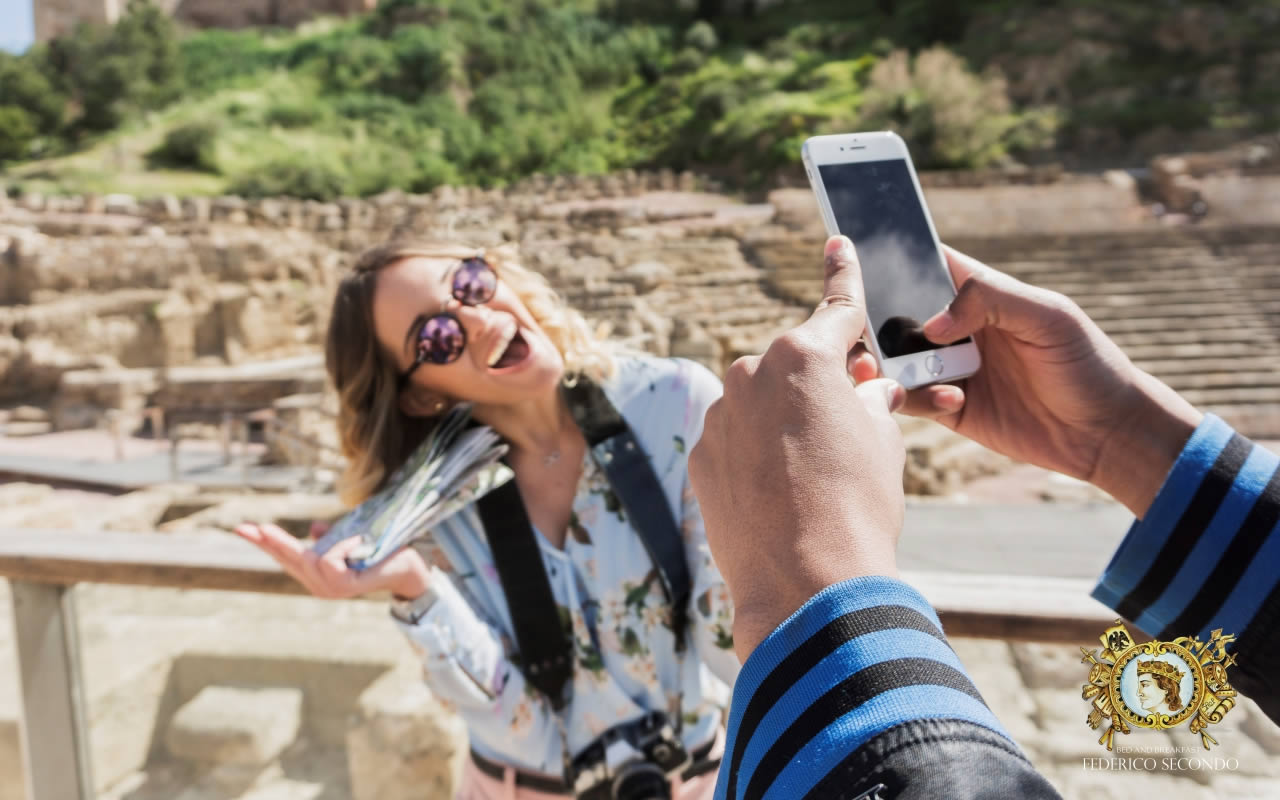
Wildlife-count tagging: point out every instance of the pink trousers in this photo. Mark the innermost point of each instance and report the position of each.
(478, 786)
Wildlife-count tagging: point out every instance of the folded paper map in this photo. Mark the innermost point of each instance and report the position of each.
(454, 466)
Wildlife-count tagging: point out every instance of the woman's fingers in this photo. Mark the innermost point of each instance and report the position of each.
(332, 566)
(285, 550)
(319, 528)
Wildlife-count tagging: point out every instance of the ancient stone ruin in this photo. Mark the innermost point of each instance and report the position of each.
(202, 317)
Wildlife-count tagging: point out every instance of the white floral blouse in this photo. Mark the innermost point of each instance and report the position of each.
(608, 595)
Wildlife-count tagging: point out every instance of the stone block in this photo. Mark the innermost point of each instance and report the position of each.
(1050, 666)
(226, 725)
(646, 276)
(404, 745)
(1107, 785)
(989, 663)
(1257, 726)
(12, 776)
(18, 495)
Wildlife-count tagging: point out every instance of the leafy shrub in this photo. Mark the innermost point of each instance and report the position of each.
(17, 130)
(701, 36)
(948, 115)
(216, 57)
(188, 146)
(112, 71)
(346, 61)
(24, 84)
(294, 114)
(422, 63)
(294, 177)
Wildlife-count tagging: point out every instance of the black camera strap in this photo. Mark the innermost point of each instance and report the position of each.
(545, 647)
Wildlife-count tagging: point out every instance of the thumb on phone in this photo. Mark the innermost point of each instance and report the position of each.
(841, 317)
(987, 298)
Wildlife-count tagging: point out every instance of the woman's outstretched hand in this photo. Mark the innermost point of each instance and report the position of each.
(1053, 389)
(405, 574)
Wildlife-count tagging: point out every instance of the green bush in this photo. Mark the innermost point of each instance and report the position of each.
(345, 61)
(25, 84)
(423, 63)
(188, 146)
(17, 131)
(295, 114)
(111, 72)
(293, 177)
(215, 58)
(949, 116)
(423, 92)
(701, 36)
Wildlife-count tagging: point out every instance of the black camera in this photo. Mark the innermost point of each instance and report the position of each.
(631, 761)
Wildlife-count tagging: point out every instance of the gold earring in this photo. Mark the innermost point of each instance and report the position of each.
(438, 406)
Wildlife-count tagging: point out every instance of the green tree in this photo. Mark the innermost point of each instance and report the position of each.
(110, 71)
(24, 84)
(17, 130)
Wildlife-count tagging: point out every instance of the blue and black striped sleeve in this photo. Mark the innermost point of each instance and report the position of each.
(859, 695)
(1207, 555)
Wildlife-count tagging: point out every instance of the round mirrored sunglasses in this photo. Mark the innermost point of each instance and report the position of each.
(441, 339)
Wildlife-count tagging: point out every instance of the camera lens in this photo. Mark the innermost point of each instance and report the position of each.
(641, 781)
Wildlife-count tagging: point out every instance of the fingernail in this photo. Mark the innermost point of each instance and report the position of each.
(897, 396)
(949, 400)
(837, 244)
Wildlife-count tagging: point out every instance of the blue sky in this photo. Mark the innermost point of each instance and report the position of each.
(16, 28)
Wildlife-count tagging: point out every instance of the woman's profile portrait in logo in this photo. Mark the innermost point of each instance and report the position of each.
(1160, 685)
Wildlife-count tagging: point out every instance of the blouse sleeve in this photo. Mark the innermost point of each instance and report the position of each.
(466, 664)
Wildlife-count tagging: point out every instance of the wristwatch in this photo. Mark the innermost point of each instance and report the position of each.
(410, 611)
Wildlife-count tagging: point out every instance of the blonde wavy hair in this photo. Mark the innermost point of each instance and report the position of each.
(376, 435)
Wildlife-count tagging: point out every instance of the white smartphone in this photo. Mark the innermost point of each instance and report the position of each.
(867, 190)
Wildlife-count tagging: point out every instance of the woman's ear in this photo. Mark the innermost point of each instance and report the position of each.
(417, 402)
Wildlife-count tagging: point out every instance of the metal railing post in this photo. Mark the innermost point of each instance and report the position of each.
(55, 736)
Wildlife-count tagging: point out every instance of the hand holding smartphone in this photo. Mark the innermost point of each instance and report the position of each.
(868, 191)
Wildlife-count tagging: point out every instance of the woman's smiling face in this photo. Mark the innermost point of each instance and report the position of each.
(507, 357)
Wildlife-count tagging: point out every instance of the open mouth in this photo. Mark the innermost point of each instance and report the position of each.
(516, 351)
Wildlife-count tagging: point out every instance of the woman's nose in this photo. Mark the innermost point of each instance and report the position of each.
(475, 319)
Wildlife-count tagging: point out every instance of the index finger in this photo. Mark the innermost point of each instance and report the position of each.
(841, 317)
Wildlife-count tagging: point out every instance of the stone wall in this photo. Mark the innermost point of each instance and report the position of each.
(249, 13)
(56, 17)
(95, 288)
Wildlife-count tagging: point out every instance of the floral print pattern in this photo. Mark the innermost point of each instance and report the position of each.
(609, 596)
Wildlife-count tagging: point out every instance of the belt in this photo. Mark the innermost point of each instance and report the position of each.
(553, 785)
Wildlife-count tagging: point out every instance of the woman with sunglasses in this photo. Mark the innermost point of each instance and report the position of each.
(418, 328)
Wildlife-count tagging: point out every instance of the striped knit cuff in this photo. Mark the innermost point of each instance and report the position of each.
(1198, 560)
(861, 657)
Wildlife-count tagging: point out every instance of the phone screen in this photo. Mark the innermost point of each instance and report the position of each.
(875, 204)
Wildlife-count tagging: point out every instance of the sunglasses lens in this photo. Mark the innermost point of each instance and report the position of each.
(474, 282)
(441, 340)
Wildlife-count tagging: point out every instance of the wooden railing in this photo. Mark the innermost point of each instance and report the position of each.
(42, 565)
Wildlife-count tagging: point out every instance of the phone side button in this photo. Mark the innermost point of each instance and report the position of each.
(934, 365)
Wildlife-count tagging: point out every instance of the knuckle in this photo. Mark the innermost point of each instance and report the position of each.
(794, 350)
(739, 374)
